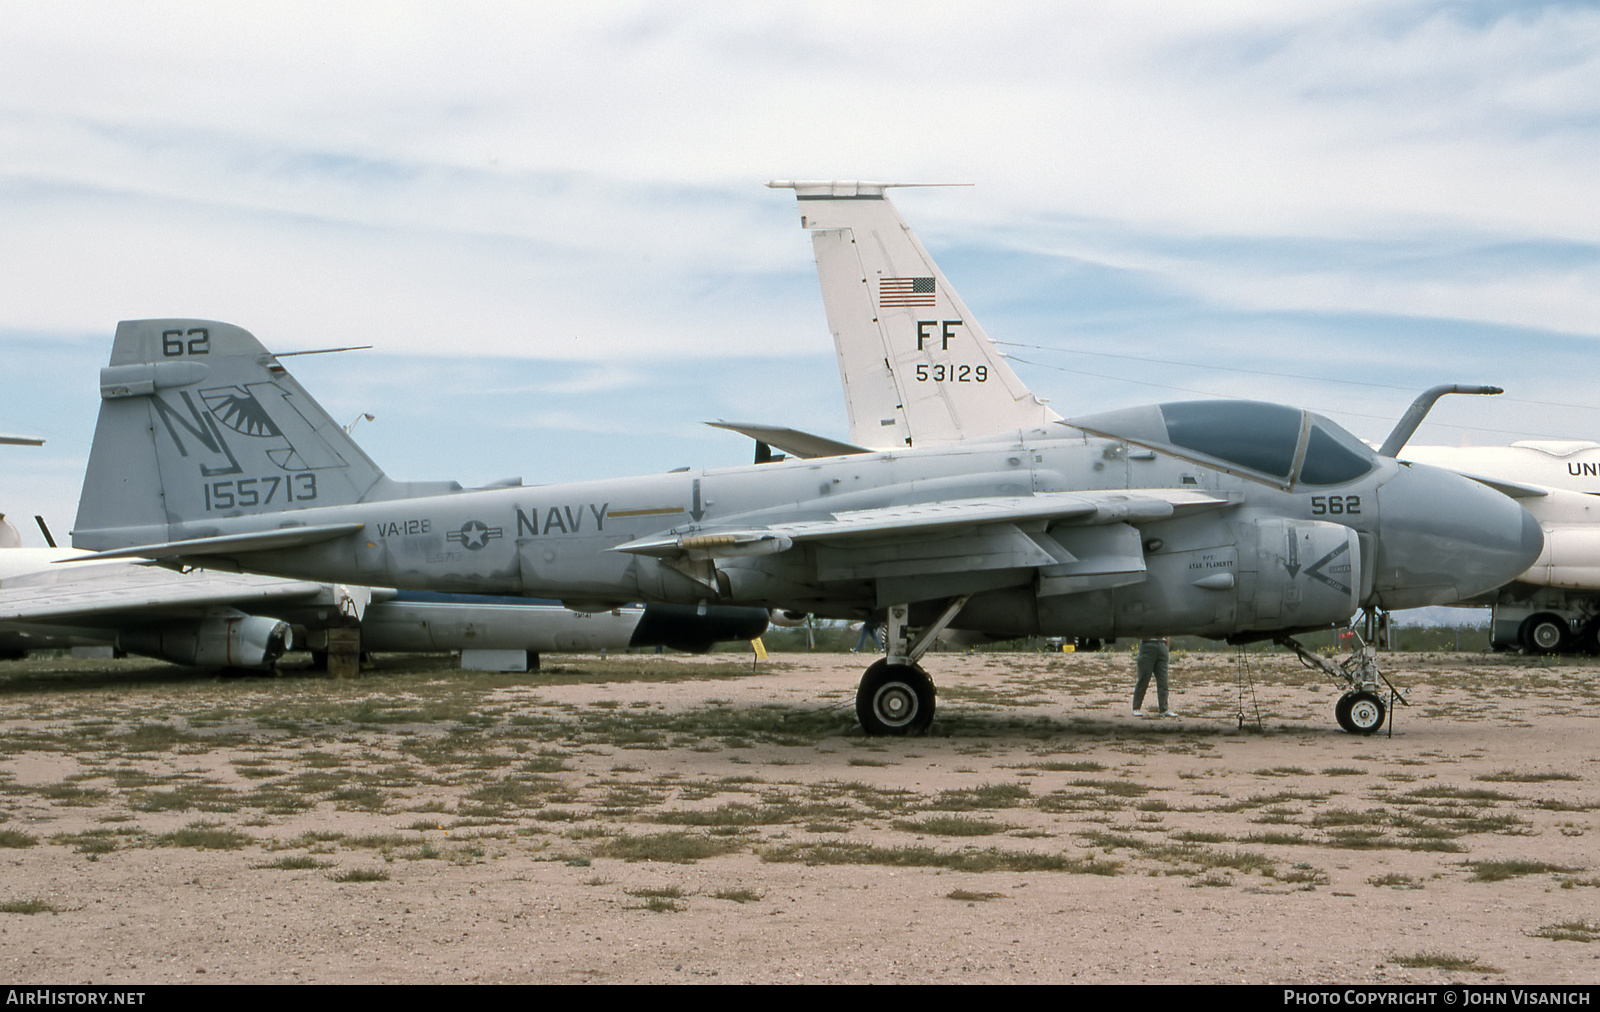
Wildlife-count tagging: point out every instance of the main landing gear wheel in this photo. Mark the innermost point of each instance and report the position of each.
(1588, 641)
(895, 699)
(1544, 634)
(1360, 712)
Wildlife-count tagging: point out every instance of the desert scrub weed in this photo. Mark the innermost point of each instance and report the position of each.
(1478, 796)
(1358, 838)
(34, 906)
(1055, 766)
(294, 862)
(1350, 817)
(993, 859)
(207, 797)
(677, 848)
(1521, 777)
(155, 738)
(1305, 876)
(363, 799)
(739, 895)
(988, 796)
(70, 795)
(205, 836)
(659, 905)
(362, 875)
(97, 841)
(1443, 961)
(968, 896)
(952, 825)
(1114, 788)
(1279, 839)
(1570, 931)
(1499, 871)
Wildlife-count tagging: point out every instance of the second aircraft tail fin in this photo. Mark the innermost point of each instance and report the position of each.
(917, 367)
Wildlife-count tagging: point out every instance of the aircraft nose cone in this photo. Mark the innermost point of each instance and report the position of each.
(1445, 539)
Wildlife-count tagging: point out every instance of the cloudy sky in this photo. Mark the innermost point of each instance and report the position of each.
(549, 220)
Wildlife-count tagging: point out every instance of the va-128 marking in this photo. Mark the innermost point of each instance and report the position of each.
(400, 528)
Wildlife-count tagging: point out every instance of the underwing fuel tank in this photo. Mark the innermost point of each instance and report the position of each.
(235, 640)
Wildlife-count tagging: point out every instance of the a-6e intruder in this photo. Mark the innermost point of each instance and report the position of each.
(919, 370)
(1258, 518)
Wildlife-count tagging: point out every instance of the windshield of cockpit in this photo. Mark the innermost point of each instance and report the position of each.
(1284, 443)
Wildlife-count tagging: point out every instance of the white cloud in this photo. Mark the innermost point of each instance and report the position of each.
(578, 183)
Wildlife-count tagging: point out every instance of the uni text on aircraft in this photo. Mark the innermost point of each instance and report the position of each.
(919, 371)
(208, 452)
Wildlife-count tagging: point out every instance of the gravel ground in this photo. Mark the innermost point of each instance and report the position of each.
(699, 820)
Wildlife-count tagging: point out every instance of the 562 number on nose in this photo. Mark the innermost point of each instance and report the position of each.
(1335, 505)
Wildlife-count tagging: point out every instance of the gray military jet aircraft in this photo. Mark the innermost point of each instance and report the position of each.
(1217, 520)
(919, 370)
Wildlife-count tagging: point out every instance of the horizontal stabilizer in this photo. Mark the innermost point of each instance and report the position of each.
(792, 441)
(229, 544)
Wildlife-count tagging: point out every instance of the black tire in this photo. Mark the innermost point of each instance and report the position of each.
(1360, 712)
(895, 699)
(1545, 634)
(1588, 641)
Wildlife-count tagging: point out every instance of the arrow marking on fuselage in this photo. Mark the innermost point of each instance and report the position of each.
(1316, 573)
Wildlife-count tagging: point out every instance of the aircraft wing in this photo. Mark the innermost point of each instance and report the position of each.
(919, 521)
(93, 591)
(1513, 489)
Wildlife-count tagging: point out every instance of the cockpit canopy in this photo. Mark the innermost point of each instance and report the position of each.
(1282, 443)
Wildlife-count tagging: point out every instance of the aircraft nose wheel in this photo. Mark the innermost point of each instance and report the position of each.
(1360, 712)
(895, 699)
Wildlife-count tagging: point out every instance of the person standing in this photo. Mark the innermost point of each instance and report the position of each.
(1153, 656)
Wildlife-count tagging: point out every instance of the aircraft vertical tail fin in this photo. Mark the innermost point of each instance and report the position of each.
(199, 422)
(917, 367)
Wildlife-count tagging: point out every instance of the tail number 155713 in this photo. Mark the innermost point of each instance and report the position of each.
(243, 493)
